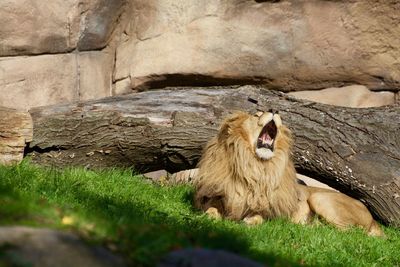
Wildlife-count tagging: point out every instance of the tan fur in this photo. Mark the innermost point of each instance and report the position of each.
(234, 181)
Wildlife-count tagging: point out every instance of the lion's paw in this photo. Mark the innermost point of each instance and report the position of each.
(254, 220)
(213, 213)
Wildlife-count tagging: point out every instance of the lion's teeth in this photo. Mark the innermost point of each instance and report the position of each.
(268, 142)
(266, 139)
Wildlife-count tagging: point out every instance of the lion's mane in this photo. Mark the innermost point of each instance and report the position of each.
(235, 181)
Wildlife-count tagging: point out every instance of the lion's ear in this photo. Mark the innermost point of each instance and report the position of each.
(226, 127)
(224, 131)
(231, 124)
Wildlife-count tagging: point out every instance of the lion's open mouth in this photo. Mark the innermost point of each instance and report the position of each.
(267, 136)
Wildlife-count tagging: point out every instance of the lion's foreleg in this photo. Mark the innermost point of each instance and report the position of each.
(302, 214)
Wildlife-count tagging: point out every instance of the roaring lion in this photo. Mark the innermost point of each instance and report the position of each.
(246, 173)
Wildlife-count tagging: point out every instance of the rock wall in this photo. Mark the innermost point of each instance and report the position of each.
(68, 50)
(56, 51)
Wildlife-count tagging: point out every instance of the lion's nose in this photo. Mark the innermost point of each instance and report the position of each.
(265, 118)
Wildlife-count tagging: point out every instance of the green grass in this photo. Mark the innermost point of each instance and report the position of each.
(143, 221)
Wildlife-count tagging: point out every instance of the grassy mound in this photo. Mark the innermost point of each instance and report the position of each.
(144, 221)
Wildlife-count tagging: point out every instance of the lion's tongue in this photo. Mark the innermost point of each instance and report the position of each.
(266, 139)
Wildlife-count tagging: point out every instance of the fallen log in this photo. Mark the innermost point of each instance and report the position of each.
(356, 151)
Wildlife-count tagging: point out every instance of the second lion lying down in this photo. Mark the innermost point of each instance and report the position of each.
(246, 173)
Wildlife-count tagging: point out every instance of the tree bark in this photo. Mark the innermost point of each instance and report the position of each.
(15, 131)
(356, 151)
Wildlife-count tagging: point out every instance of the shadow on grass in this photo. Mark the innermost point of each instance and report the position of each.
(146, 234)
(13, 207)
(142, 230)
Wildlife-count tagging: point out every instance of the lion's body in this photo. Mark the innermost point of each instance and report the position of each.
(236, 182)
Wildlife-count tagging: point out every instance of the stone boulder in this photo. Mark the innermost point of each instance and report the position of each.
(58, 26)
(24, 246)
(354, 96)
(38, 80)
(27, 82)
(289, 45)
(205, 257)
(16, 129)
(312, 182)
(38, 27)
(99, 20)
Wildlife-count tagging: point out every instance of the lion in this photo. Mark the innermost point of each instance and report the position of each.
(246, 173)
